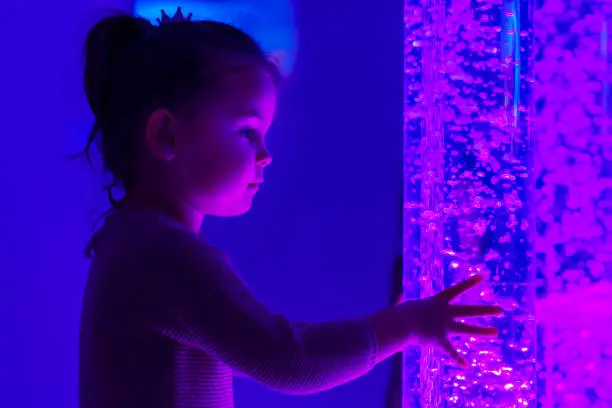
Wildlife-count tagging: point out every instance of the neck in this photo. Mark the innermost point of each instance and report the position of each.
(182, 211)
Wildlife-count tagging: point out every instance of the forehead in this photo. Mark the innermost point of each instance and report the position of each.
(247, 82)
(240, 85)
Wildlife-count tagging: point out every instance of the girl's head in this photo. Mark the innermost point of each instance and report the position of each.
(181, 111)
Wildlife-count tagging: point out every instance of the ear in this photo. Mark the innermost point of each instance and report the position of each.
(160, 134)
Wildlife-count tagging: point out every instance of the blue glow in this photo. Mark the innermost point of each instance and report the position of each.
(511, 51)
(606, 89)
(270, 22)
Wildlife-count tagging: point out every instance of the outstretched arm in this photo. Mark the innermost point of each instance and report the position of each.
(197, 299)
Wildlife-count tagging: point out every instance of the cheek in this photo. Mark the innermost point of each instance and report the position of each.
(222, 162)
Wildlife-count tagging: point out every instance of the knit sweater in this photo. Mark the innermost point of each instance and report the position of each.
(167, 321)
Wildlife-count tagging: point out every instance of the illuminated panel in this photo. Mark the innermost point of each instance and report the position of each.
(469, 187)
(270, 22)
(574, 203)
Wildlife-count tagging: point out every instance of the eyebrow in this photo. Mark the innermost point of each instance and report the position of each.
(250, 114)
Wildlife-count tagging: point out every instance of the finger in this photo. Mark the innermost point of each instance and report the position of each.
(454, 291)
(475, 310)
(463, 328)
(453, 353)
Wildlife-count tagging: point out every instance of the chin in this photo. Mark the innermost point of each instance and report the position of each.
(234, 210)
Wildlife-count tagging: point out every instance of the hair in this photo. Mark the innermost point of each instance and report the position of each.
(133, 67)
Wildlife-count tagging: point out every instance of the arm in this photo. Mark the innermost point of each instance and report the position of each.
(197, 299)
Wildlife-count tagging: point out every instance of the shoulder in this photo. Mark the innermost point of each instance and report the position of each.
(156, 267)
(183, 249)
(149, 242)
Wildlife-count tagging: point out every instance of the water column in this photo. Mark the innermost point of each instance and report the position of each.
(469, 188)
(573, 169)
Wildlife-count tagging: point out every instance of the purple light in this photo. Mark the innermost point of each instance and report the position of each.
(574, 197)
(508, 173)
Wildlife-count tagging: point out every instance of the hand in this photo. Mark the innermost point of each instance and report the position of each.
(433, 318)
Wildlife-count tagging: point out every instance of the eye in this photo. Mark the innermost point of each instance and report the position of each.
(250, 134)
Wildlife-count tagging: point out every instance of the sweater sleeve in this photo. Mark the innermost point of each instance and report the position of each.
(194, 296)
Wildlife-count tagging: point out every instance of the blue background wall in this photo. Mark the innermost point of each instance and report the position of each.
(318, 245)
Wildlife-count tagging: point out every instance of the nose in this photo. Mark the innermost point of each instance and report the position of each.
(264, 158)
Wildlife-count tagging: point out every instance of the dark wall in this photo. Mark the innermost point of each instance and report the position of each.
(322, 239)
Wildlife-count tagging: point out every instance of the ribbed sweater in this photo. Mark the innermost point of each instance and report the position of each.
(167, 322)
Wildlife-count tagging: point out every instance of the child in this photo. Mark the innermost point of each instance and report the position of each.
(181, 114)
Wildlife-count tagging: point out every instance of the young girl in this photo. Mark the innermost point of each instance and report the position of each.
(181, 115)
